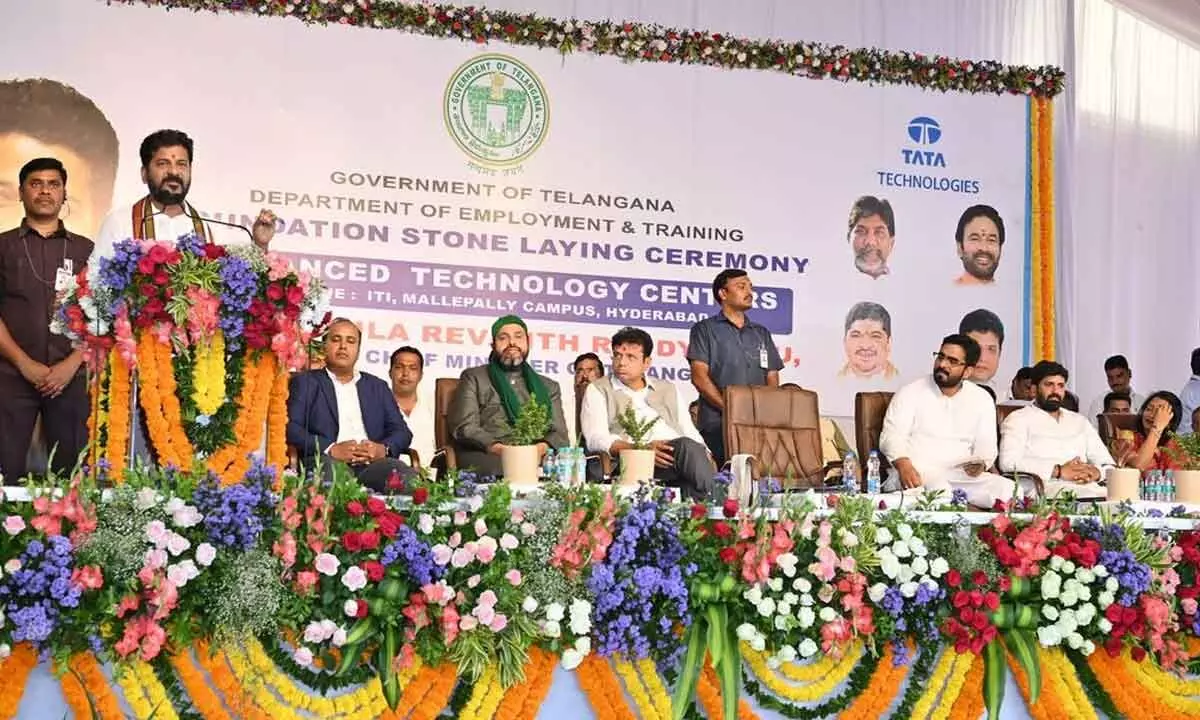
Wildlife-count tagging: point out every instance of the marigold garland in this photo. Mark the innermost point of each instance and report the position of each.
(818, 688)
(1166, 692)
(647, 709)
(946, 666)
(16, 668)
(646, 42)
(1071, 693)
(87, 690)
(1130, 698)
(119, 413)
(1042, 226)
(654, 685)
(208, 374)
(602, 689)
(231, 462)
(479, 706)
(206, 702)
(164, 421)
(239, 702)
(522, 701)
(143, 692)
(708, 691)
(277, 422)
(97, 426)
(366, 701)
(966, 694)
(879, 693)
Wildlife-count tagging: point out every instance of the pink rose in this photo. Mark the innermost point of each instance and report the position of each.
(1189, 606)
(499, 622)
(509, 541)
(306, 580)
(481, 528)
(14, 524)
(303, 657)
(461, 558)
(484, 613)
(441, 554)
(355, 578)
(156, 558)
(528, 529)
(513, 576)
(455, 539)
(326, 564)
(205, 553)
(472, 581)
(486, 551)
(460, 517)
(488, 598)
(468, 623)
(156, 532)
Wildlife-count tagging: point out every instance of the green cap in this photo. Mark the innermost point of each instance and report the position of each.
(507, 320)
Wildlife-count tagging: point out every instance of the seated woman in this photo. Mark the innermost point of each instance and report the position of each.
(1154, 439)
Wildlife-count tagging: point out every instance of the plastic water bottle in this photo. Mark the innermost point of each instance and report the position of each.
(1153, 483)
(548, 466)
(580, 467)
(562, 465)
(1170, 486)
(850, 474)
(873, 473)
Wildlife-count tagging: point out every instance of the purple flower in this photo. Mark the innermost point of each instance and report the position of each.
(640, 588)
(35, 595)
(116, 271)
(239, 283)
(958, 497)
(191, 243)
(234, 515)
(899, 653)
(1132, 576)
(415, 557)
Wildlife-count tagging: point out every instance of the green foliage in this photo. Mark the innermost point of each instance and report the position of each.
(532, 424)
(1188, 455)
(635, 428)
(207, 435)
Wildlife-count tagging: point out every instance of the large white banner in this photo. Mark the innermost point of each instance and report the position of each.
(436, 185)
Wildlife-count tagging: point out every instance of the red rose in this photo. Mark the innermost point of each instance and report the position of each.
(419, 496)
(389, 524)
(157, 254)
(352, 542)
(212, 251)
(375, 506)
(953, 578)
(160, 278)
(295, 294)
(699, 511)
(362, 608)
(1137, 653)
(992, 602)
(729, 508)
(369, 540)
(1005, 584)
(395, 481)
(979, 577)
(721, 529)
(960, 599)
(274, 292)
(145, 266)
(149, 290)
(374, 570)
(355, 508)
(999, 506)
(728, 555)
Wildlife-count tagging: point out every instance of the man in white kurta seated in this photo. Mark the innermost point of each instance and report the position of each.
(1059, 446)
(681, 459)
(939, 432)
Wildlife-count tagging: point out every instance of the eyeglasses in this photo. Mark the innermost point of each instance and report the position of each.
(951, 361)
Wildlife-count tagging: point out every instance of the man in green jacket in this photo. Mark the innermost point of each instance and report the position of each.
(489, 398)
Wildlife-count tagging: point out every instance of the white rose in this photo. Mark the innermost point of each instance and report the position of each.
(781, 622)
(551, 629)
(758, 643)
(883, 536)
(1105, 599)
(1050, 612)
(906, 574)
(766, 607)
(1049, 636)
(350, 608)
(808, 648)
(1085, 576)
(529, 604)
(745, 631)
(1104, 625)
(1056, 562)
(917, 545)
(920, 565)
(554, 612)
(1075, 641)
(1051, 585)
(1100, 571)
(776, 584)
(904, 531)
(807, 600)
(806, 617)
(791, 598)
(1068, 567)
(849, 539)
(783, 608)
(787, 562)
(583, 645)
(787, 653)
(828, 614)
(571, 658)
(339, 637)
(754, 595)
(205, 554)
(774, 662)
(802, 585)
(939, 567)
(1066, 622)
(1088, 648)
(889, 565)
(876, 592)
(580, 624)
(1112, 585)
(908, 589)
(1068, 597)
(900, 549)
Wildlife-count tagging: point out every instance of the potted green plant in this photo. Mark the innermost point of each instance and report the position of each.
(1187, 458)
(520, 459)
(637, 463)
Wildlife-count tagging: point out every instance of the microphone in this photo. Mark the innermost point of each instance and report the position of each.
(243, 228)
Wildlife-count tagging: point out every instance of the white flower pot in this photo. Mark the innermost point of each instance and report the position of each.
(1187, 486)
(520, 464)
(1123, 484)
(636, 466)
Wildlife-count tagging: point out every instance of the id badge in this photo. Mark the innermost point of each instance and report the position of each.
(69, 266)
(763, 358)
(62, 279)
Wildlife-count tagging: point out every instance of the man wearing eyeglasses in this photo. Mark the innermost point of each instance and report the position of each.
(939, 432)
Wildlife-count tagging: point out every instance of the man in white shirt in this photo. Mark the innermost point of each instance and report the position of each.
(1120, 380)
(164, 214)
(939, 432)
(1190, 396)
(1047, 440)
(406, 370)
(340, 415)
(680, 455)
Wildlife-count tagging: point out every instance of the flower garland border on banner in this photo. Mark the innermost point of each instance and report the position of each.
(647, 42)
(1041, 227)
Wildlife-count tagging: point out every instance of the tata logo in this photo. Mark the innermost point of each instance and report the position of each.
(924, 131)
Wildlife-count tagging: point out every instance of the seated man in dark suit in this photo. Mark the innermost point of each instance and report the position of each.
(489, 397)
(342, 415)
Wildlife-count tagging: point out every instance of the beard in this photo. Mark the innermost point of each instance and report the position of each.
(1049, 404)
(981, 265)
(870, 261)
(163, 196)
(944, 379)
(510, 360)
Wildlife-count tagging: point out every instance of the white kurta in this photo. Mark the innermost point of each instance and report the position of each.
(593, 416)
(1034, 441)
(937, 433)
(118, 226)
(420, 422)
(350, 418)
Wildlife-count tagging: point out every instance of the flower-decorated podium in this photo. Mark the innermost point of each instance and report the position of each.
(196, 341)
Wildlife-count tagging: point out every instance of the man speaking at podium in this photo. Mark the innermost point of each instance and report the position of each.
(164, 214)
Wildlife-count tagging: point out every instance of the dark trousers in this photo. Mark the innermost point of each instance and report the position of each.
(714, 438)
(374, 475)
(64, 423)
(692, 472)
(482, 463)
